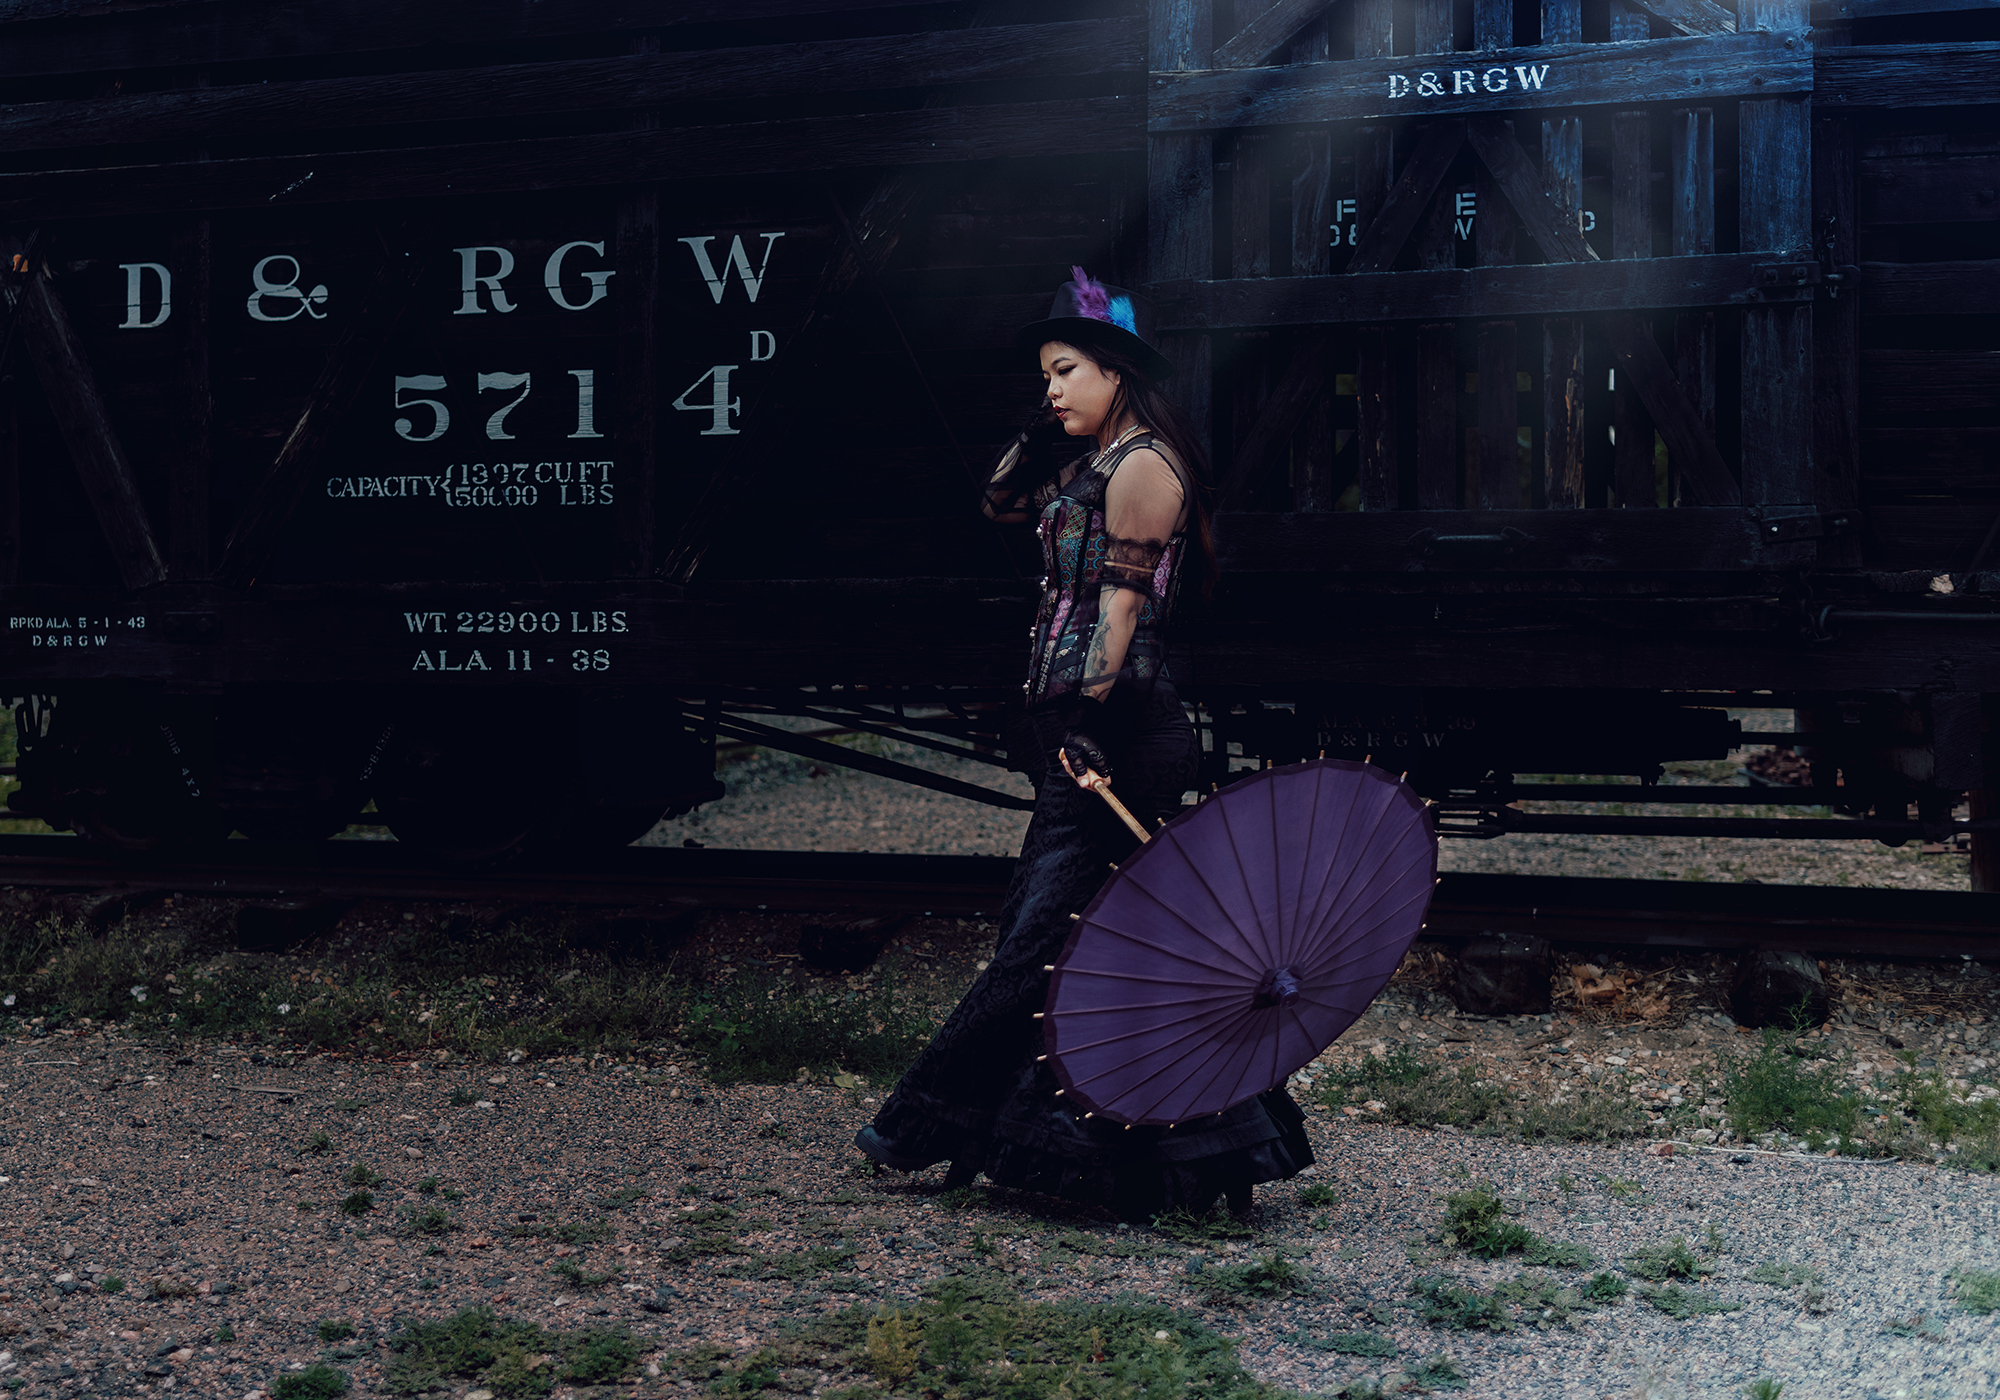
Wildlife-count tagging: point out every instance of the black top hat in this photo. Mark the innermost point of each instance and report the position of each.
(1087, 314)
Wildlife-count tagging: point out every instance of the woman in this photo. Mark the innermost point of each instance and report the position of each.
(1118, 528)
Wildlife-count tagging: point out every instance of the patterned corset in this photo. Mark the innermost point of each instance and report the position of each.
(1075, 549)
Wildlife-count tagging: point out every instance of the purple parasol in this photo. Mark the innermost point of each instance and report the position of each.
(1240, 941)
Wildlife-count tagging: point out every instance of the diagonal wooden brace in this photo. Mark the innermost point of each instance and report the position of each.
(1376, 249)
(1267, 33)
(1632, 345)
(71, 388)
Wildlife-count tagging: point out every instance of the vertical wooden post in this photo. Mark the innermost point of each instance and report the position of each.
(1632, 237)
(188, 487)
(1693, 233)
(1562, 336)
(635, 431)
(10, 469)
(1774, 143)
(1627, 21)
(1499, 398)
(1374, 365)
(1437, 343)
(1562, 21)
(1492, 24)
(1837, 326)
(1312, 219)
(1431, 26)
(1180, 197)
(1249, 256)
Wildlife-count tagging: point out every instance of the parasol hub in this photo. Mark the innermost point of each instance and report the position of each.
(1280, 988)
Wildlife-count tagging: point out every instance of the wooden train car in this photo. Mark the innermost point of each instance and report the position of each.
(394, 396)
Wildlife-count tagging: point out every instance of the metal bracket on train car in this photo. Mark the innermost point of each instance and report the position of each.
(1469, 551)
(1784, 524)
(1795, 281)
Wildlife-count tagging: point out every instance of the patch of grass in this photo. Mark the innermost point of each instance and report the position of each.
(1477, 1222)
(111, 1283)
(1764, 1388)
(363, 1175)
(1659, 1262)
(462, 1099)
(1317, 1194)
(795, 1264)
(623, 1196)
(1264, 1276)
(1531, 1299)
(224, 1334)
(1782, 1275)
(577, 1276)
(574, 1232)
(1772, 1088)
(777, 1132)
(335, 1329)
(427, 1187)
(1582, 1117)
(766, 1029)
(1438, 1373)
(319, 1144)
(1605, 1288)
(1417, 1092)
(1918, 1328)
(1449, 1302)
(1931, 1101)
(1622, 1188)
(1683, 1303)
(428, 1219)
(1187, 1227)
(305, 1205)
(358, 1203)
(318, 1381)
(347, 1105)
(1978, 1290)
(510, 1358)
(976, 1337)
(1348, 1343)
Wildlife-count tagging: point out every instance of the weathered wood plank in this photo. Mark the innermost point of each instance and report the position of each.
(1929, 461)
(1968, 287)
(1312, 446)
(1693, 539)
(1715, 279)
(1250, 205)
(504, 92)
(259, 527)
(1691, 232)
(1262, 37)
(1562, 21)
(1930, 189)
(1263, 443)
(1565, 75)
(920, 137)
(1374, 28)
(188, 483)
(1628, 22)
(1836, 322)
(1928, 381)
(70, 386)
(1562, 337)
(1517, 179)
(1374, 365)
(203, 32)
(1437, 416)
(1633, 470)
(1180, 199)
(1383, 237)
(1497, 415)
(1906, 75)
(1492, 25)
(1431, 26)
(1689, 16)
(1689, 444)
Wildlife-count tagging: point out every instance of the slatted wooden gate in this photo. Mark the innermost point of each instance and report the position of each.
(1479, 286)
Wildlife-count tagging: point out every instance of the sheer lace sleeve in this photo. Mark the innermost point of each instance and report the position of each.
(1142, 511)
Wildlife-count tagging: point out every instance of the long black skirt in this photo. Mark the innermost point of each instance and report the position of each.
(977, 1096)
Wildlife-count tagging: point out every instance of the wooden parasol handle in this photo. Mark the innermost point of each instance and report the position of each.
(1101, 785)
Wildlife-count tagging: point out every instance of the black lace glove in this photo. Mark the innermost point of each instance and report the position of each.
(1081, 745)
(1031, 460)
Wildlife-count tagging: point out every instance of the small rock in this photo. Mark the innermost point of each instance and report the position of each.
(184, 1354)
(413, 1154)
(1661, 1149)
(498, 1079)
(478, 1395)
(1703, 1135)
(483, 1103)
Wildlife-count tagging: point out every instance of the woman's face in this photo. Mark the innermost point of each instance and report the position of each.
(1080, 393)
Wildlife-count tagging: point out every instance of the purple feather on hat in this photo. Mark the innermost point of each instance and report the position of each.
(1091, 298)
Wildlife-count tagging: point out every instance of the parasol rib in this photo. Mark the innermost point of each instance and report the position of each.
(1151, 943)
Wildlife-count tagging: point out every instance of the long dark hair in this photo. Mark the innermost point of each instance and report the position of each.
(1149, 405)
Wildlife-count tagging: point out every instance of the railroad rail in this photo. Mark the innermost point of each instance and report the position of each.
(1832, 922)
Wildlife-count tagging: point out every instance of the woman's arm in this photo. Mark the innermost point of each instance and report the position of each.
(1142, 509)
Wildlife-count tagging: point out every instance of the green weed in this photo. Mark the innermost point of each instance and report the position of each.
(623, 1196)
(1447, 1302)
(334, 1329)
(1772, 1088)
(319, 1144)
(1782, 1275)
(363, 1175)
(1659, 1262)
(1683, 1303)
(1418, 1093)
(111, 1283)
(359, 1203)
(1266, 1276)
(1348, 1343)
(427, 1187)
(512, 1359)
(766, 1029)
(1318, 1194)
(1438, 1373)
(1581, 1117)
(1764, 1388)
(577, 1277)
(577, 1232)
(428, 1219)
(1978, 1290)
(1918, 1328)
(224, 1334)
(318, 1381)
(1605, 1288)
(1477, 1222)
(1189, 1228)
(461, 1099)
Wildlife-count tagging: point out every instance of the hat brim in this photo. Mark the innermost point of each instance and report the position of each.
(1086, 331)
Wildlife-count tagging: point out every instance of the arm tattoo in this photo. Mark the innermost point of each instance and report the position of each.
(1130, 563)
